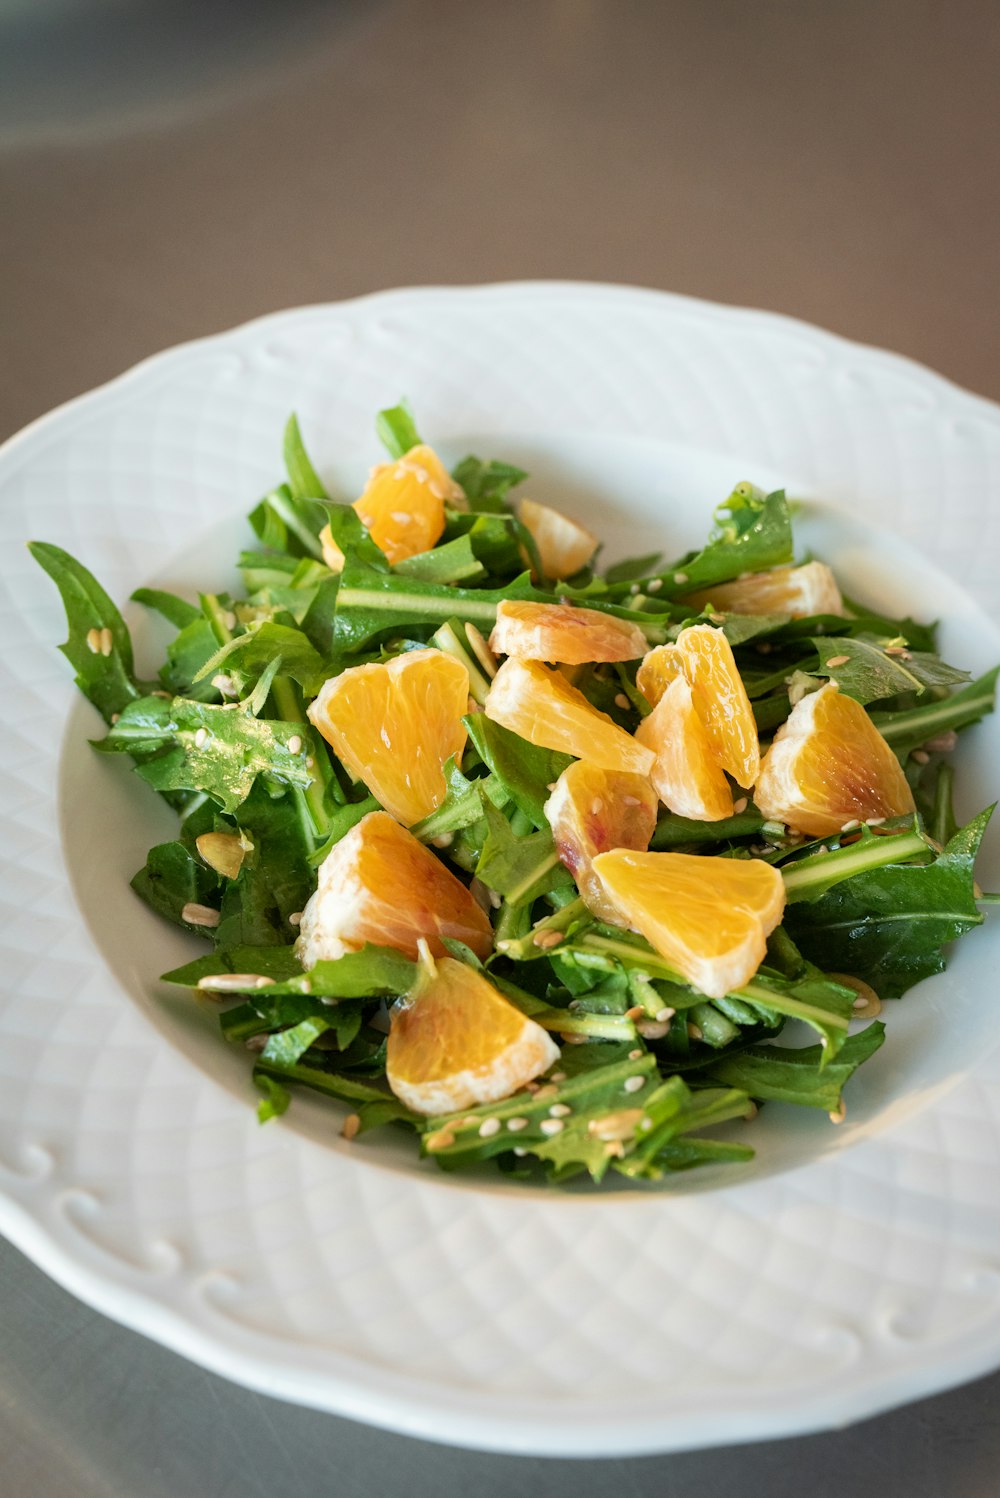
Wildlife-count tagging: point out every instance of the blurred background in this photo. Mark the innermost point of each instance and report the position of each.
(169, 168)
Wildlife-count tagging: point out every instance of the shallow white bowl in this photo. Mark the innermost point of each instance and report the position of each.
(844, 1270)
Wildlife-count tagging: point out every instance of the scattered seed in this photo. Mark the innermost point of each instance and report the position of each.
(636, 1012)
(596, 806)
(233, 982)
(619, 1125)
(571, 1038)
(350, 1126)
(224, 684)
(615, 1149)
(664, 1014)
(654, 585)
(695, 1032)
(874, 821)
(295, 918)
(295, 744)
(921, 756)
(481, 650)
(310, 762)
(495, 899)
(515, 1125)
(942, 743)
(740, 806)
(201, 738)
(229, 619)
(839, 1113)
(489, 1127)
(899, 650)
(194, 914)
(520, 1151)
(94, 640)
(222, 851)
(622, 701)
(634, 589)
(680, 578)
(558, 1076)
(547, 939)
(533, 1087)
(850, 826)
(652, 1029)
(634, 1084)
(634, 1055)
(630, 800)
(551, 1126)
(114, 718)
(837, 660)
(107, 641)
(549, 1090)
(441, 1140)
(444, 841)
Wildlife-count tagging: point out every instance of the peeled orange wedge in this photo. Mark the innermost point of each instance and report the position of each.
(561, 632)
(685, 774)
(403, 503)
(708, 917)
(721, 701)
(394, 725)
(796, 591)
(380, 885)
(455, 1042)
(544, 708)
(658, 669)
(828, 766)
(563, 545)
(592, 811)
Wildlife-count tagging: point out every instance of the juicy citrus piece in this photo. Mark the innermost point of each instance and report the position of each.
(395, 724)
(561, 632)
(685, 775)
(592, 811)
(829, 765)
(797, 591)
(709, 917)
(455, 1042)
(658, 669)
(403, 503)
(563, 546)
(721, 701)
(544, 708)
(380, 885)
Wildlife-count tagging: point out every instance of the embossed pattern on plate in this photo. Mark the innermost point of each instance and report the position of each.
(560, 1324)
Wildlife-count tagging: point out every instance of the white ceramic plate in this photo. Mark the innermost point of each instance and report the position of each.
(845, 1271)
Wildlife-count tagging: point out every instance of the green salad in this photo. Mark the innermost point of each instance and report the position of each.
(547, 865)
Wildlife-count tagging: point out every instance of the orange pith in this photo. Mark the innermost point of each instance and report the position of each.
(721, 701)
(395, 724)
(592, 811)
(545, 709)
(563, 545)
(658, 669)
(561, 632)
(403, 503)
(380, 885)
(796, 591)
(829, 765)
(709, 917)
(456, 1042)
(685, 775)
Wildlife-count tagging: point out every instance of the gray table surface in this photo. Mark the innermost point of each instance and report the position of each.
(168, 169)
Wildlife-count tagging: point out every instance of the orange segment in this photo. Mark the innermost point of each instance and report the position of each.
(797, 591)
(709, 917)
(658, 669)
(685, 775)
(561, 632)
(721, 701)
(403, 503)
(395, 724)
(563, 546)
(544, 708)
(592, 811)
(380, 885)
(455, 1042)
(829, 765)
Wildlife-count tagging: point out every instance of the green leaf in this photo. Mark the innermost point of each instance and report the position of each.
(752, 532)
(225, 762)
(176, 611)
(519, 868)
(275, 1100)
(397, 430)
(889, 925)
(251, 653)
(863, 670)
(173, 878)
(907, 730)
(303, 480)
(680, 832)
(452, 562)
(107, 679)
(268, 962)
(462, 805)
(674, 1110)
(372, 972)
(782, 1074)
(524, 770)
(487, 485)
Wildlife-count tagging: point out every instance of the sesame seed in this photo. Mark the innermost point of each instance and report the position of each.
(495, 899)
(520, 1151)
(622, 701)
(662, 1015)
(850, 826)
(634, 589)
(558, 1076)
(199, 915)
(740, 806)
(489, 1127)
(838, 1114)
(224, 684)
(233, 982)
(875, 821)
(619, 1125)
(229, 619)
(350, 1126)
(596, 806)
(295, 918)
(441, 1140)
(634, 1055)
(107, 641)
(651, 1029)
(636, 1012)
(114, 718)
(94, 640)
(549, 1090)
(515, 1125)
(630, 800)
(570, 1038)
(942, 743)
(401, 517)
(444, 841)
(635, 1084)
(295, 744)
(694, 1031)
(560, 1110)
(837, 660)
(680, 578)
(921, 756)
(655, 585)
(533, 1087)
(551, 786)
(546, 940)
(310, 762)
(551, 1126)
(200, 737)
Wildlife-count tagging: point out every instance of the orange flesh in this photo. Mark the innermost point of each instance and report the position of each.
(685, 775)
(721, 701)
(659, 668)
(563, 545)
(796, 591)
(403, 503)
(592, 811)
(561, 632)
(394, 725)
(545, 709)
(828, 766)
